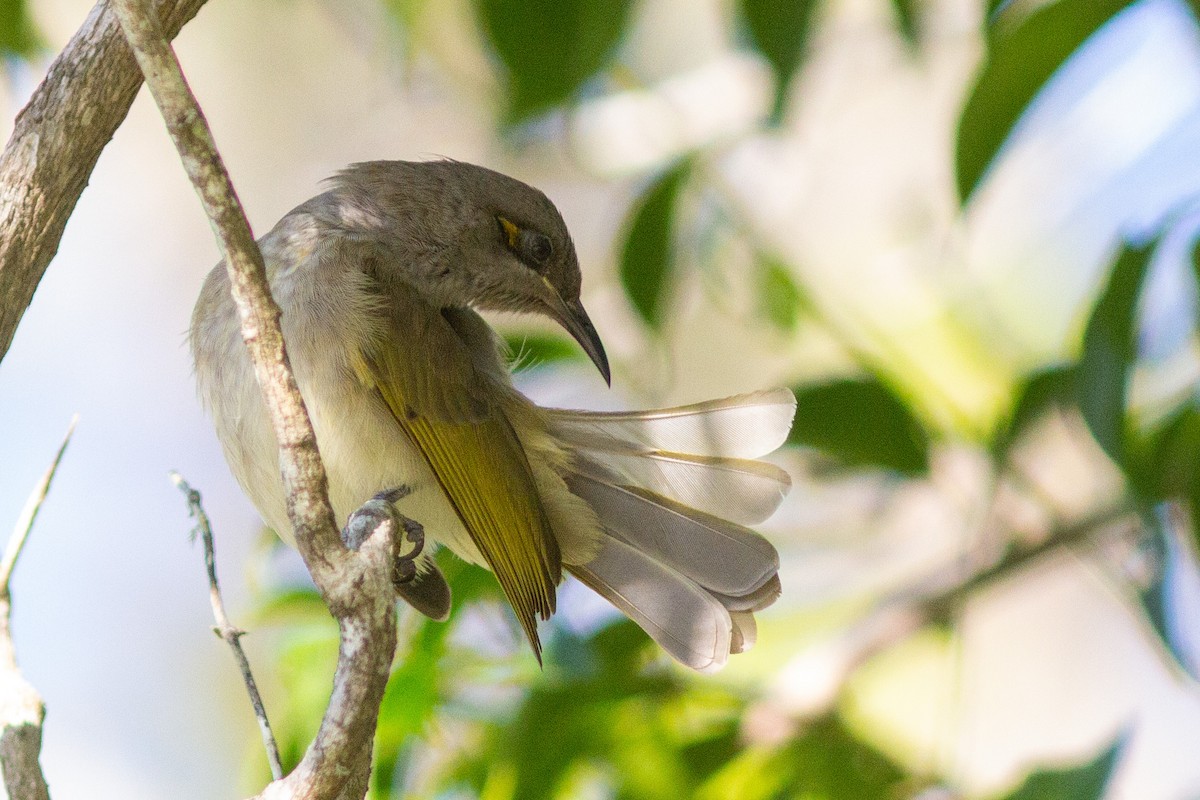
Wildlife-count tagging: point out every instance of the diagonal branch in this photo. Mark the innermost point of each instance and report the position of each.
(55, 143)
(355, 584)
(21, 709)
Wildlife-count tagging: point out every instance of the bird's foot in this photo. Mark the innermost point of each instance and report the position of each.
(381, 509)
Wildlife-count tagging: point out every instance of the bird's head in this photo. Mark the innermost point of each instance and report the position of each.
(469, 236)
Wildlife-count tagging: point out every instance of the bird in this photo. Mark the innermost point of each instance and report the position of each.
(381, 280)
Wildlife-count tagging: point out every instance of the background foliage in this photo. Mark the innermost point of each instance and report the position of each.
(979, 423)
(608, 717)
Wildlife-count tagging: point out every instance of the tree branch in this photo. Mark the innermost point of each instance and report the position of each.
(21, 708)
(55, 143)
(231, 634)
(355, 584)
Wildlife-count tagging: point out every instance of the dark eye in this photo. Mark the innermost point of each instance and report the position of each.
(535, 247)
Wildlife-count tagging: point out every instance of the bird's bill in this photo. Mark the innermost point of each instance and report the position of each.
(570, 314)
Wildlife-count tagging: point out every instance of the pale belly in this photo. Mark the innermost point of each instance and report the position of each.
(364, 451)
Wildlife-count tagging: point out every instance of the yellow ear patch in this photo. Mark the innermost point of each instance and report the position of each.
(511, 231)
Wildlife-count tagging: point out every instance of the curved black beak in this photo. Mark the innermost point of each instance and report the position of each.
(570, 314)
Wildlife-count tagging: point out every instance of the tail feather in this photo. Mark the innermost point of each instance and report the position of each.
(745, 631)
(685, 620)
(756, 600)
(738, 489)
(669, 489)
(719, 555)
(743, 426)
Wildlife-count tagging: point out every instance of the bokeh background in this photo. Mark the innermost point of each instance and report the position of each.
(962, 231)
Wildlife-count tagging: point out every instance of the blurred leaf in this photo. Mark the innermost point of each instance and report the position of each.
(550, 47)
(531, 350)
(18, 37)
(861, 423)
(1110, 349)
(1162, 558)
(780, 299)
(906, 19)
(1022, 56)
(1042, 390)
(414, 693)
(1165, 463)
(648, 255)
(825, 762)
(1084, 782)
(290, 605)
(779, 29)
(994, 6)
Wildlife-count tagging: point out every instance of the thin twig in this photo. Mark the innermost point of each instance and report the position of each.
(21, 707)
(356, 586)
(29, 513)
(226, 629)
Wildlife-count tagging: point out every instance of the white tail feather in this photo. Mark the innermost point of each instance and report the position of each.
(745, 631)
(743, 426)
(664, 486)
(684, 619)
(736, 489)
(719, 555)
(756, 600)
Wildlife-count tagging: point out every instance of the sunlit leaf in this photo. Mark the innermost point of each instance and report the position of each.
(1022, 56)
(779, 29)
(1110, 349)
(550, 48)
(824, 762)
(907, 21)
(648, 255)
(780, 299)
(860, 422)
(1043, 390)
(1084, 782)
(18, 37)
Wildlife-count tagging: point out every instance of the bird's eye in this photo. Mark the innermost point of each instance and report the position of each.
(535, 247)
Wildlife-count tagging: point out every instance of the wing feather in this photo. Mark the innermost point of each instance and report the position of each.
(440, 400)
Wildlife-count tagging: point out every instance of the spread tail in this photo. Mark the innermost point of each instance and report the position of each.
(673, 490)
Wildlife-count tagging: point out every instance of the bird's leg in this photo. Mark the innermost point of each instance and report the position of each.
(380, 509)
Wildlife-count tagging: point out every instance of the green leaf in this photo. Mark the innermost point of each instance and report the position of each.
(1022, 56)
(648, 255)
(907, 21)
(780, 299)
(1052, 387)
(532, 350)
(825, 762)
(18, 37)
(1083, 782)
(1110, 349)
(861, 423)
(993, 7)
(779, 29)
(550, 48)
